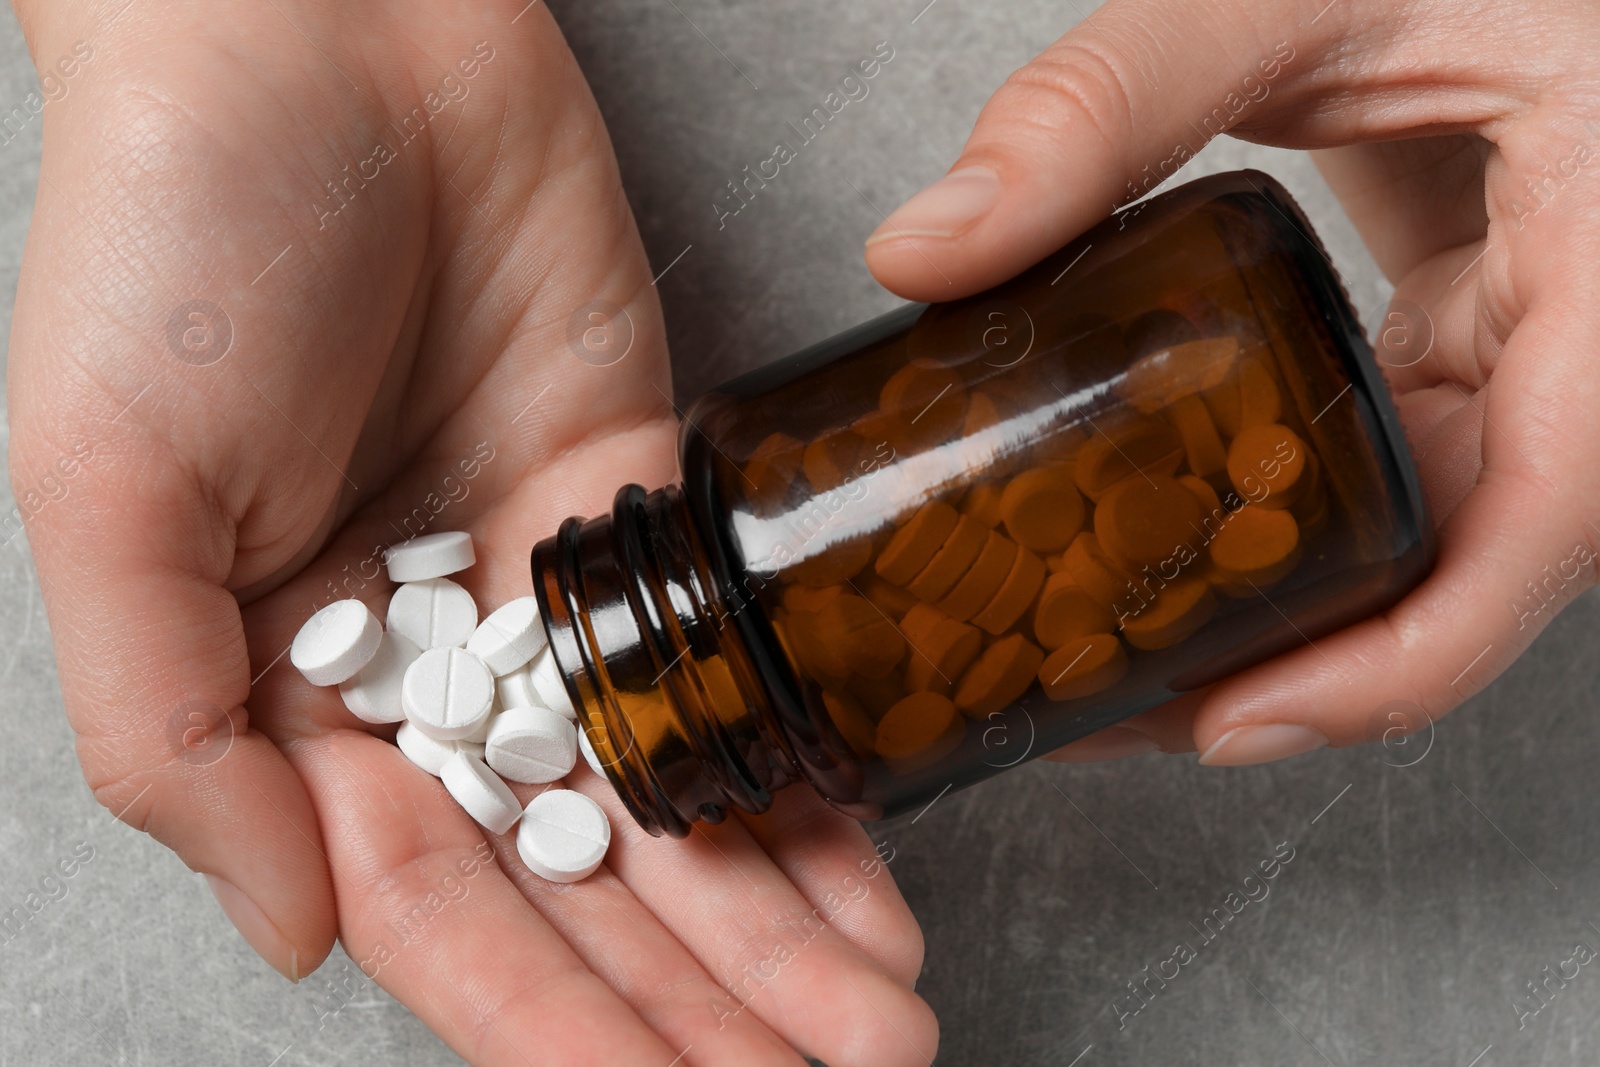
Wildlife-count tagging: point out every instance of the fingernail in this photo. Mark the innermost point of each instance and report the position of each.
(947, 207)
(254, 926)
(1114, 742)
(1244, 745)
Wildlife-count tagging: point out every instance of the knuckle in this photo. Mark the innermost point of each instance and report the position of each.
(1072, 87)
(413, 887)
(120, 791)
(756, 942)
(896, 1029)
(683, 989)
(518, 1015)
(903, 940)
(805, 816)
(130, 768)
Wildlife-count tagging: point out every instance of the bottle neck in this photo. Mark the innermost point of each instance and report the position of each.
(662, 680)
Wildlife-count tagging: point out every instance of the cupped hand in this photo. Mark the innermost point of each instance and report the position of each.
(1464, 140)
(302, 281)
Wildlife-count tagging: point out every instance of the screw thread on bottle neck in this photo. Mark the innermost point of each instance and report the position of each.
(662, 682)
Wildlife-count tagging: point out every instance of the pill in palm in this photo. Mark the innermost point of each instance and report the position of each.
(430, 556)
(532, 745)
(336, 642)
(548, 686)
(447, 693)
(427, 753)
(477, 789)
(511, 636)
(564, 835)
(373, 693)
(436, 613)
(589, 756)
(481, 735)
(515, 690)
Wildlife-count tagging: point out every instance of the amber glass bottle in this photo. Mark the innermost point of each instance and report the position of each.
(964, 534)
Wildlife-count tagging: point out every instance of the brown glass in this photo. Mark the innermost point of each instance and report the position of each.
(731, 635)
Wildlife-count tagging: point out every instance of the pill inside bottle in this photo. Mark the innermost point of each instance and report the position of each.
(965, 534)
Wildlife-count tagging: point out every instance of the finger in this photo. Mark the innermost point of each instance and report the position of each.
(1097, 119)
(835, 866)
(427, 913)
(1445, 427)
(1167, 728)
(1110, 743)
(1120, 103)
(154, 673)
(1434, 329)
(1519, 547)
(1436, 351)
(778, 956)
(621, 942)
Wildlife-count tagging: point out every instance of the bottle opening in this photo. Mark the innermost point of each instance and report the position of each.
(663, 686)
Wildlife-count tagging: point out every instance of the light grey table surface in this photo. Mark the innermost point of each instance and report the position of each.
(1402, 932)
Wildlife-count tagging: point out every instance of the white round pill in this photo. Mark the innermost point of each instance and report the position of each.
(564, 835)
(515, 690)
(336, 642)
(429, 754)
(423, 750)
(484, 796)
(447, 693)
(547, 684)
(430, 556)
(589, 756)
(436, 613)
(481, 734)
(511, 635)
(532, 745)
(373, 694)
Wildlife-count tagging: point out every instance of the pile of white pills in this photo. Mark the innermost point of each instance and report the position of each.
(480, 703)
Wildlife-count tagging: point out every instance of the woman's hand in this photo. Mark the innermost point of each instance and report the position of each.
(304, 280)
(1465, 142)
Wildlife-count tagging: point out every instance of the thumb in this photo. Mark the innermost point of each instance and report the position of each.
(150, 649)
(1098, 119)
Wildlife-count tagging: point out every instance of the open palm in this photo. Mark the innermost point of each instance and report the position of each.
(303, 281)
